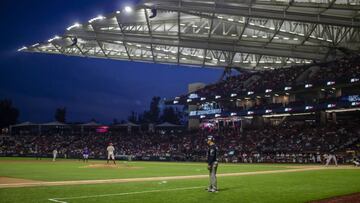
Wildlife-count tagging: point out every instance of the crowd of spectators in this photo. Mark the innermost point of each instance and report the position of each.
(288, 142)
(281, 77)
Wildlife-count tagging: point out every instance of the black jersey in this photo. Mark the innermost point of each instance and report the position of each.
(212, 154)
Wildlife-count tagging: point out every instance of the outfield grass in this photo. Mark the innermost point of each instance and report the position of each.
(46, 170)
(282, 187)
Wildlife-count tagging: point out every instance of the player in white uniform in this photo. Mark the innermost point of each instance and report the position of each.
(55, 152)
(110, 149)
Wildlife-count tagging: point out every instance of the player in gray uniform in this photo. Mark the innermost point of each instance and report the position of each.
(331, 156)
(212, 164)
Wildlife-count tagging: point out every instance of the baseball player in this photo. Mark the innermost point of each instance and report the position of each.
(86, 153)
(55, 152)
(356, 161)
(212, 164)
(331, 156)
(110, 149)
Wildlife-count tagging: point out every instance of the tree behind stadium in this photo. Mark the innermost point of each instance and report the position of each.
(60, 115)
(8, 113)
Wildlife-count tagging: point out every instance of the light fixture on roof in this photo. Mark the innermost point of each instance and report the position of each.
(73, 26)
(128, 9)
(22, 48)
(100, 17)
(54, 38)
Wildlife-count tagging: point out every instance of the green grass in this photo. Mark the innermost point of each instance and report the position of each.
(283, 187)
(46, 170)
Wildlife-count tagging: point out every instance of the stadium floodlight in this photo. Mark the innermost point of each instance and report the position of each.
(73, 26)
(34, 45)
(250, 93)
(22, 48)
(54, 38)
(202, 98)
(268, 90)
(99, 17)
(233, 95)
(128, 9)
(217, 97)
(308, 85)
(176, 102)
(330, 83)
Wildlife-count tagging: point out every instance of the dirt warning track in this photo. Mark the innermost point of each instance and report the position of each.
(30, 183)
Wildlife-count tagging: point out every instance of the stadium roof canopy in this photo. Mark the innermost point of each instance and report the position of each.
(252, 34)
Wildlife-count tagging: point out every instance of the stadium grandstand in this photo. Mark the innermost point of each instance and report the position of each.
(298, 64)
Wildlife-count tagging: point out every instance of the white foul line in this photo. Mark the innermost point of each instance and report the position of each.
(59, 200)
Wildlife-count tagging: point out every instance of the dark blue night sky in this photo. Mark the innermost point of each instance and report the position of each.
(88, 88)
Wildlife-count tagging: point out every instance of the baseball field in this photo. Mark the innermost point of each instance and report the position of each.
(29, 180)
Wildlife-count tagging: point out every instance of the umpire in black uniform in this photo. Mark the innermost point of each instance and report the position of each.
(212, 164)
